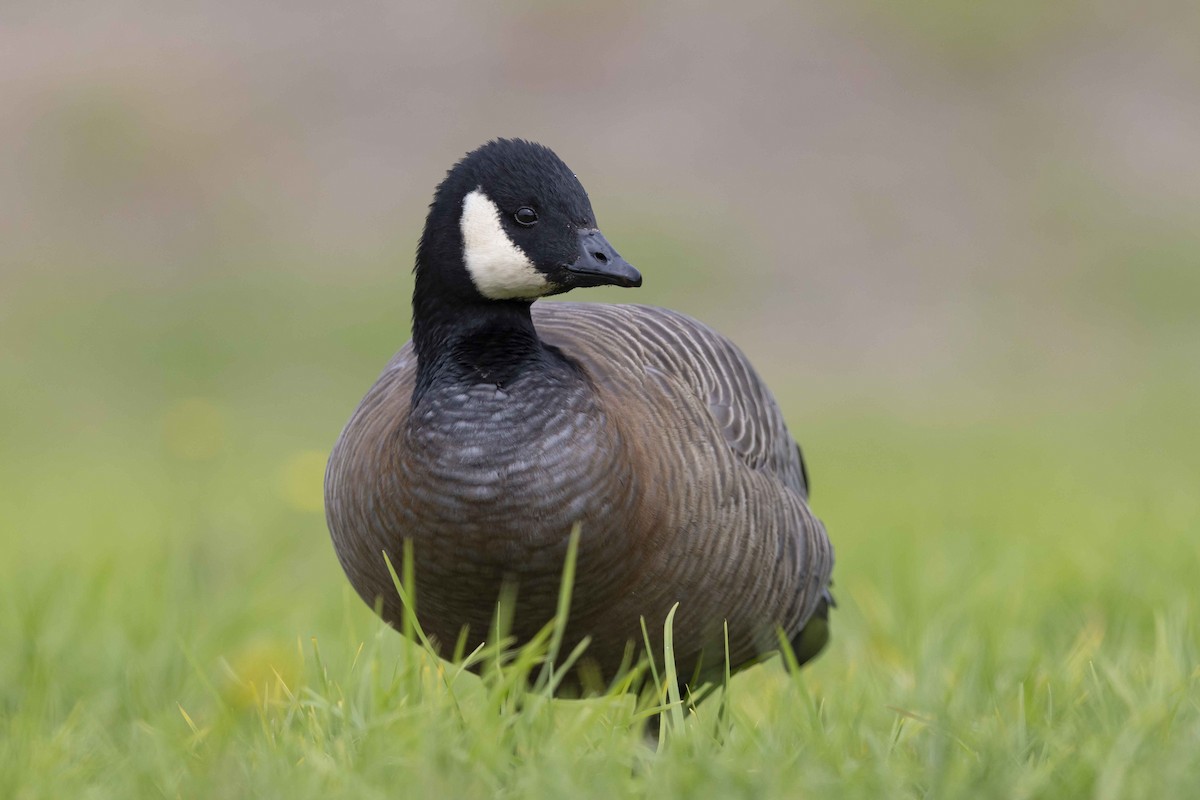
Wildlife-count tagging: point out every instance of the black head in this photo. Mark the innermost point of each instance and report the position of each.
(512, 222)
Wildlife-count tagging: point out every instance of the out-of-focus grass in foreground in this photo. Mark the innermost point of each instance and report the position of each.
(1017, 589)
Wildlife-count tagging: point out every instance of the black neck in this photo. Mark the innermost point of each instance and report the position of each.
(471, 339)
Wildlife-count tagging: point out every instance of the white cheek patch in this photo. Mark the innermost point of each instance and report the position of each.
(499, 269)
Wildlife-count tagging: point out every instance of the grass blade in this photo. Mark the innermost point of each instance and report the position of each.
(562, 612)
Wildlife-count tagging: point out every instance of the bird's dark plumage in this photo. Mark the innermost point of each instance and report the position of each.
(502, 425)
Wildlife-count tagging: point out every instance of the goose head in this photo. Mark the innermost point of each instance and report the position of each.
(511, 223)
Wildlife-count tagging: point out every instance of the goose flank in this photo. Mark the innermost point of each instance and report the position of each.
(504, 423)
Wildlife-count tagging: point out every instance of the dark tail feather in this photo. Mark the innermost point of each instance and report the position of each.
(813, 637)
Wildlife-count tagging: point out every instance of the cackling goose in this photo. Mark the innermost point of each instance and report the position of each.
(503, 423)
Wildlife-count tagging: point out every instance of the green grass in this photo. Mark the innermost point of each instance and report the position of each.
(1018, 588)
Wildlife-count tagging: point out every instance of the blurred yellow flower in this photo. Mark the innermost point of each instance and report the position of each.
(260, 671)
(193, 429)
(301, 480)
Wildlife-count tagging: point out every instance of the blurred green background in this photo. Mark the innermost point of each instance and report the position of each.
(960, 240)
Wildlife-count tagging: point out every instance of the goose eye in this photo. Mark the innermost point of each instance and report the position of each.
(525, 216)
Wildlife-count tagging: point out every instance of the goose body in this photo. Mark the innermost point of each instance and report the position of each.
(504, 424)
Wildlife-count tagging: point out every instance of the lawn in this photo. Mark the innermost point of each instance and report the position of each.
(1018, 580)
